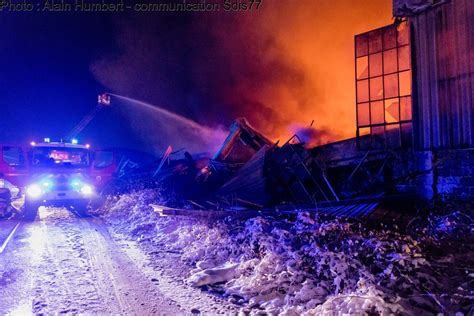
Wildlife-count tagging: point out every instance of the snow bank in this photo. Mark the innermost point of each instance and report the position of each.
(306, 265)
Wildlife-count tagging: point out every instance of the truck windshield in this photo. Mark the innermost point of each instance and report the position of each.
(60, 157)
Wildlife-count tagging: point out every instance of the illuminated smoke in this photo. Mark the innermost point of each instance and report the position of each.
(284, 66)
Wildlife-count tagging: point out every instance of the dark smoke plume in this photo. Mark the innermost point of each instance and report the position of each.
(283, 66)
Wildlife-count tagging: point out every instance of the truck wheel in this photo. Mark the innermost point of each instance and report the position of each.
(81, 207)
(30, 209)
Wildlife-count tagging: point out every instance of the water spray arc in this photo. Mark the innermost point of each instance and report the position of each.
(185, 122)
(176, 128)
(161, 127)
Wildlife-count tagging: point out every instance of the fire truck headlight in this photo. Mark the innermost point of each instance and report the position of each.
(47, 183)
(87, 189)
(34, 191)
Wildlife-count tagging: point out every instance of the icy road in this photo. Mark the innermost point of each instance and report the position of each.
(62, 263)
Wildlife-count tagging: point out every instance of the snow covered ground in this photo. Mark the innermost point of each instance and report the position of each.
(63, 264)
(131, 260)
(306, 265)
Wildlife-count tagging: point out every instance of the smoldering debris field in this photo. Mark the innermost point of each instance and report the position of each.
(305, 264)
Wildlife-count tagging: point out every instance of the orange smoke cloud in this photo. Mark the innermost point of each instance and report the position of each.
(282, 67)
(293, 62)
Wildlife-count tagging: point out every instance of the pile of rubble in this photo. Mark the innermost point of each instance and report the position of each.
(309, 263)
(251, 173)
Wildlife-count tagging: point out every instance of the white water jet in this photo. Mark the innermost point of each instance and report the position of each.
(175, 129)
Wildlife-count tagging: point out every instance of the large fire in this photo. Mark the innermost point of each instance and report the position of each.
(294, 63)
(282, 67)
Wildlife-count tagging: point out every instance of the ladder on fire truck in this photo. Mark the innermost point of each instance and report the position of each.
(103, 100)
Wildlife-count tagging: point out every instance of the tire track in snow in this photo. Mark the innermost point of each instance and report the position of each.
(8, 238)
(68, 264)
(135, 293)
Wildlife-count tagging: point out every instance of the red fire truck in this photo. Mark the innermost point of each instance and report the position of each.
(52, 174)
(62, 173)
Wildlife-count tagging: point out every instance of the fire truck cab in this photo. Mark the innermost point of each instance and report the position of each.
(58, 175)
(62, 174)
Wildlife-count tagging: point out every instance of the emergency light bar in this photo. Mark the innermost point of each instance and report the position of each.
(47, 141)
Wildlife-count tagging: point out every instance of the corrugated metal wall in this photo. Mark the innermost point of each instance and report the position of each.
(443, 91)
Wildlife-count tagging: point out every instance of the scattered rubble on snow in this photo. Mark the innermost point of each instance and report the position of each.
(277, 228)
(310, 264)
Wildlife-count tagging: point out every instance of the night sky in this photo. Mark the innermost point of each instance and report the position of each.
(46, 85)
(280, 67)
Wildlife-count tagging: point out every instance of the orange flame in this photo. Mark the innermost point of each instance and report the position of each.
(281, 67)
(304, 69)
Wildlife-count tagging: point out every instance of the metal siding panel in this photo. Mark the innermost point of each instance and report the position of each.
(469, 105)
(335, 210)
(420, 44)
(426, 69)
(345, 210)
(444, 83)
(464, 55)
(463, 65)
(459, 80)
(358, 211)
(433, 80)
(349, 210)
(454, 74)
(432, 68)
(418, 92)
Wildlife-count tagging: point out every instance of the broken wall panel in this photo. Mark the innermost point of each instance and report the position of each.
(249, 183)
(241, 144)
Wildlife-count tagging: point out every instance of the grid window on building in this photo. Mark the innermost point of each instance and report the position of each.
(384, 84)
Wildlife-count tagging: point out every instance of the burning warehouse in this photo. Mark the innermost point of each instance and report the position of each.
(415, 84)
(414, 117)
(415, 129)
(430, 44)
(344, 185)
